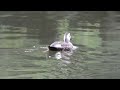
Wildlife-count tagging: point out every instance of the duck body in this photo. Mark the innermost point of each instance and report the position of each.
(59, 46)
(62, 45)
(56, 46)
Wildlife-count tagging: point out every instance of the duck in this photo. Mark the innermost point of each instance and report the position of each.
(62, 45)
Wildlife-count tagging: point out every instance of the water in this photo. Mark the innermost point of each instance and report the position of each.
(25, 35)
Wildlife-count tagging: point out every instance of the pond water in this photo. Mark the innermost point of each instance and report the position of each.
(25, 36)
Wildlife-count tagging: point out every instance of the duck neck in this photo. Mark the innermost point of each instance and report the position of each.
(66, 40)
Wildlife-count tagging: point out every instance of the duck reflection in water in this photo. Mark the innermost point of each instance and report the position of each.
(60, 54)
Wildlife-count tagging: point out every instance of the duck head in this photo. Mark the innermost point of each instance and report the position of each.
(67, 37)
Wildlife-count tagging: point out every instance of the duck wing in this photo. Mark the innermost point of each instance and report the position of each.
(57, 44)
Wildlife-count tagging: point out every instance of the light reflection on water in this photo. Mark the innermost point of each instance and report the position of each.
(24, 38)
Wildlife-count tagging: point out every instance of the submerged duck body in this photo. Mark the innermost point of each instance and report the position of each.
(62, 45)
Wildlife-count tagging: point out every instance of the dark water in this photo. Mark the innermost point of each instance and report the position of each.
(24, 37)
